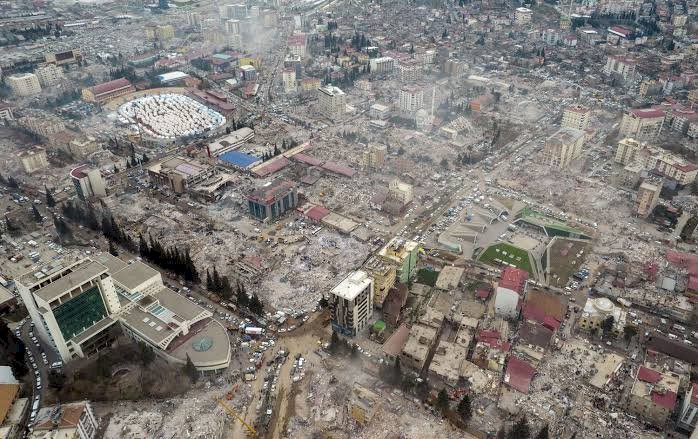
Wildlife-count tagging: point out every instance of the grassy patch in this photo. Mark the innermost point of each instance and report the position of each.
(508, 253)
(427, 277)
(563, 260)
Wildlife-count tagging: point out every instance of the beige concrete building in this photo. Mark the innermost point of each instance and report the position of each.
(42, 127)
(599, 309)
(159, 32)
(49, 74)
(421, 339)
(83, 147)
(33, 160)
(411, 99)
(351, 303)
(88, 182)
(576, 117)
(523, 16)
(374, 155)
(402, 192)
(627, 151)
(384, 276)
(288, 77)
(642, 124)
(383, 64)
(6, 111)
(674, 168)
(410, 70)
(332, 102)
(363, 404)
(563, 147)
(74, 420)
(622, 66)
(647, 197)
(24, 84)
(653, 395)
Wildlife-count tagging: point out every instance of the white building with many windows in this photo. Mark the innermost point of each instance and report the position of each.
(351, 303)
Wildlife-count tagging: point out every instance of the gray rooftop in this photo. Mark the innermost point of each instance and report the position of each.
(134, 274)
(112, 263)
(81, 274)
(179, 305)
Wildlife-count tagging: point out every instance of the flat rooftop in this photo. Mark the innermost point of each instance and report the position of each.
(352, 285)
(134, 275)
(82, 273)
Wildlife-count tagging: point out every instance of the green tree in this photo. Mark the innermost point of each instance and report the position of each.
(607, 326)
(112, 249)
(191, 371)
(146, 353)
(521, 430)
(465, 410)
(629, 331)
(37, 215)
(442, 401)
(543, 433)
(56, 379)
(50, 201)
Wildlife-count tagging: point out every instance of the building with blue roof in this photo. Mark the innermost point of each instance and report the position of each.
(239, 159)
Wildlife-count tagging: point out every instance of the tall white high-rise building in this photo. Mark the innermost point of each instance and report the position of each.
(351, 303)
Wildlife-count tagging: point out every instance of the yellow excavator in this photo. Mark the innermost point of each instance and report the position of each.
(250, 429)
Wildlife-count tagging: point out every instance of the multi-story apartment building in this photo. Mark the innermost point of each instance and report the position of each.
(622, 66)
(576, 117)
(522, 16)
(288, 77)
(563, 147)
(270, 202)
(374, 155)
(383, 64)
(404, 255)
(49, 74)
(232, 27)
(351, 303)
(24, 84)
(363, 404)
(643, 123)
(411, 99)
(627, 151)
(410, 70)
(44, 127)
(688, 417)
(88, 182)
(674, 168)
(647, 197)
(61, 58)
(384, 275)
(33, 160)
(6, 110)
(332, 102)
(297, 44)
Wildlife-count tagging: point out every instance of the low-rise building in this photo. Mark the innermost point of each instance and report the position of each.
(73, 420)
(653, 395)
(6, 111)
(351, 303)
(446, 364)
(179, 174)
(596, 310)
(230, 142)
(363, 404)
(419, 343)
(270, 202)
(379, 112)
(33, 160)
(400, 192)
(107, 90)
(510, 292)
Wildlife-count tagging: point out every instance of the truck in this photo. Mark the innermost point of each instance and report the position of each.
(251, 330)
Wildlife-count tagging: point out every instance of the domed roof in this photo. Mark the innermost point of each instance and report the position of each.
(603, 305)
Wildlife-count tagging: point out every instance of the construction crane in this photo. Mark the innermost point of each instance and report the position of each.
(252, 432)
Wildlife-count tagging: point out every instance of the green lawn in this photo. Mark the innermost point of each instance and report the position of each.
(514, 256)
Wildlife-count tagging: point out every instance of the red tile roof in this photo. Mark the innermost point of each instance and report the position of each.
(305, 158)
(519, 374)
(514, 279)
(108, 87)
(647, 113)
(648, 375)
(317, 213)
(338, 168)
(686, 260)
(274, 165)
(694, 394)
(666, 399)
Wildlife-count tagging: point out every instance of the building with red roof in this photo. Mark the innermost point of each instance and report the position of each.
(510, 292)
(653, 395)
(519, 374)
(107, 90)
(642, 123)
(273, 200)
